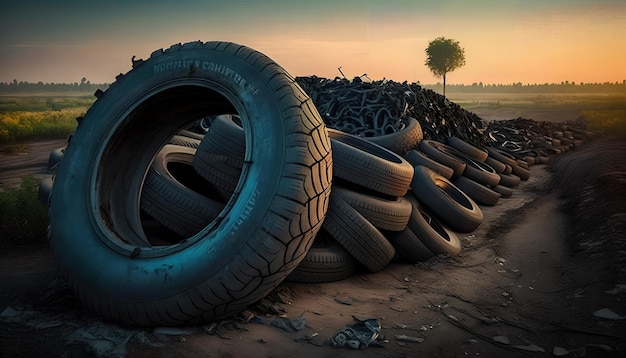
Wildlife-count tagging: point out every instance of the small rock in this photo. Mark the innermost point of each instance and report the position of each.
(617, 289)
(606, 313)
(502, 339)
(402, 337)
(559, 351)
(530, 348)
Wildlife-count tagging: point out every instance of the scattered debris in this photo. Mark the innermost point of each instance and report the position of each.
(289, 324)
(362, 334)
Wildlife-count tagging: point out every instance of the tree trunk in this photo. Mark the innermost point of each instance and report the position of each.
(444, 84)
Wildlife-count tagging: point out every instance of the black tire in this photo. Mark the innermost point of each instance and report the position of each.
(55, 158)
(530, 160)
(509, 159)
(502, 156)
(497, 165)
(509, 180)
(504, 191)
(326, 261)
(478, 192)
(221, 155)
(436, 236)
(476, 170)
(190, 134)
(262, 234)
(402, 141)
(434, 150)
(385, 214)
(175, 195)
(357, 235)
(360, 162)
(446, 200)
(184, 141)
(468, 149)
(44, 189)
(523, 173)
(408, 246)
(225, 137)
(415, 157)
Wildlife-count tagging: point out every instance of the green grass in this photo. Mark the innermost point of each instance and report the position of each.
(39, 116)
(23, 219)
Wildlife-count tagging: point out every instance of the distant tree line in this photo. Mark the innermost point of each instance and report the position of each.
(563, 87)
(23, 87)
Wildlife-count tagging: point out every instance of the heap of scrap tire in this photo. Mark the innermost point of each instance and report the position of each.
(207, 175)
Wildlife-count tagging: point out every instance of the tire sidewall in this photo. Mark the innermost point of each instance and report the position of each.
(82, 243)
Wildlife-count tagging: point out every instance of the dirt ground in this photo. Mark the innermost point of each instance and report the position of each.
(516, 290)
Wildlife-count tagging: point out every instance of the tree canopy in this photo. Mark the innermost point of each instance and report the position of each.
(443, 56)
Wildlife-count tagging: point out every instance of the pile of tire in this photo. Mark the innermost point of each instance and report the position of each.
(205, 177)
(536, 141)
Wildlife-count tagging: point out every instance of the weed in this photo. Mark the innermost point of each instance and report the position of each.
(23, 219)
(611, 122)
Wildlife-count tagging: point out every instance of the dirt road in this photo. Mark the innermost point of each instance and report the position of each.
(515, 290)
(31, 159)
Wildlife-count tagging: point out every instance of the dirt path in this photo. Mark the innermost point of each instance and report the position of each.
(32, 159)
(514, 281)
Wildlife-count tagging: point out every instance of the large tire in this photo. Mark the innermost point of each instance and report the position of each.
(497, 165)
(175, 195)
(509, 180)
(385, 214)
(360, 162)
(468, 149)
(262, 234)
(415, 157)
(505, 192)
(402, 141)
(436, 236)
(435, 150)
(326, 261)
(357, 235)
(476, 170)
(408, 246)
(478, 192)
(446, 200)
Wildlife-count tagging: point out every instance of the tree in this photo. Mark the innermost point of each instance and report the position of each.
(443, 56)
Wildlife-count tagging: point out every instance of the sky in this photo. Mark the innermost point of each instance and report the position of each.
(505, 41)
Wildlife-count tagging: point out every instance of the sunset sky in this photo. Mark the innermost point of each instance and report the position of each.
(505, 41)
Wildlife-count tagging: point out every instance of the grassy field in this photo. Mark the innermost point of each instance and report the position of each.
(552, 107)
(40, 115)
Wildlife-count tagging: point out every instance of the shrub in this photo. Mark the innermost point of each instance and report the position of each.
(23, 219)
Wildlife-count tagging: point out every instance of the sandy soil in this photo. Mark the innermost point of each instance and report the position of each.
(515, 281)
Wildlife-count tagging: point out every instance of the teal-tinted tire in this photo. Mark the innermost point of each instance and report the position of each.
(262, 234)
